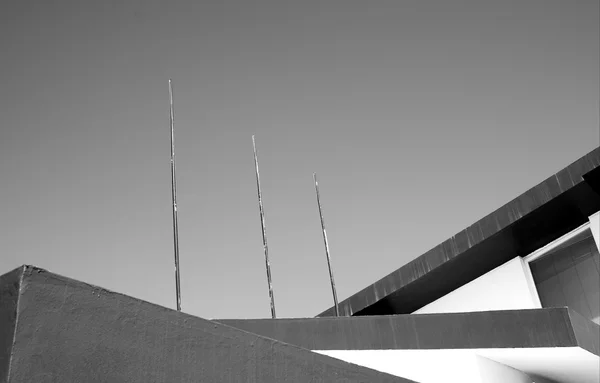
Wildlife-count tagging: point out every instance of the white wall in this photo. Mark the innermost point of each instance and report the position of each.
(433, 366)
(507, 287)
(424, 366)
(595, 228)
(493, 372)
(537, 379)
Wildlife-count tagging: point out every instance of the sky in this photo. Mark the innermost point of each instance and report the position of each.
(419, 117)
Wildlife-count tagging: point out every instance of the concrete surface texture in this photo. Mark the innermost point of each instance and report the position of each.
(55, 329)
(557, 327)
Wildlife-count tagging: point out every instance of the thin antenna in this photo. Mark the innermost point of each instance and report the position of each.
(264, 232)
(335, 300)
(174, 200)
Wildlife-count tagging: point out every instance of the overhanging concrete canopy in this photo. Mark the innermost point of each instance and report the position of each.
(553, 343)
(535, 328)
(542, 214)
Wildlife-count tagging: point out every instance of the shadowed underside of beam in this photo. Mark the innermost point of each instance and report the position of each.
(543, 213)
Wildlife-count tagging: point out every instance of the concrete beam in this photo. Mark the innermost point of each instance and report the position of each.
(532, 328)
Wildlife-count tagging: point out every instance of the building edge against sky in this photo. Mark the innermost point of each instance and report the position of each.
(533, 223)
(533, 256)
(513, 298)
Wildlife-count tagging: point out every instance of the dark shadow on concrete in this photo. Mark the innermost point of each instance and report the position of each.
(540, 215)
(593, 179)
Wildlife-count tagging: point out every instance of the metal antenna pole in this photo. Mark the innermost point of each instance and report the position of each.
(335, 300)
(264, 232)
(174, 200)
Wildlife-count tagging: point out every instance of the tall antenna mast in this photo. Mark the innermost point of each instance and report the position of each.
(264, 232)
(335, 300)
(174, 199)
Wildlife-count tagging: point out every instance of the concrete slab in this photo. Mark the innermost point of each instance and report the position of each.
(553, 343)
(532, 328)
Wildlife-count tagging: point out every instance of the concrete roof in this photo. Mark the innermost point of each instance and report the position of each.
(540, 215)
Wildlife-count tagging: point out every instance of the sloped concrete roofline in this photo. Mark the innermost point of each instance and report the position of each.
(542, 214)
(53, 328)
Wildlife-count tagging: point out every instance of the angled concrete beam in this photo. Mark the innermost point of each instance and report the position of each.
(533, 328)
(556, 344)
(542, 214)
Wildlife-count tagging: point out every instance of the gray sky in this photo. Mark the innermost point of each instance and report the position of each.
(419, 117)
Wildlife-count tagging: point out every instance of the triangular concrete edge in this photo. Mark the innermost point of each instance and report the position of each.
(41, 304)
(10, 284)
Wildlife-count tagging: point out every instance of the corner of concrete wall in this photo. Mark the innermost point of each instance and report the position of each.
(10, 285)
(586, 332)
(70, 331)
(535, 297)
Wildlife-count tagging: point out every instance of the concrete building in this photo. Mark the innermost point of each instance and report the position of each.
(515, 297)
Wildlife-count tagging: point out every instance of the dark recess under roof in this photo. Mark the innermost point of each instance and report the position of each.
(545, 212)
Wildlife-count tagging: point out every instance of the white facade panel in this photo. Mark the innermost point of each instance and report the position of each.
(424, 366)
(595, 228)
(506, 365)
(432, 366)
(493, 372)
(507, 287)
